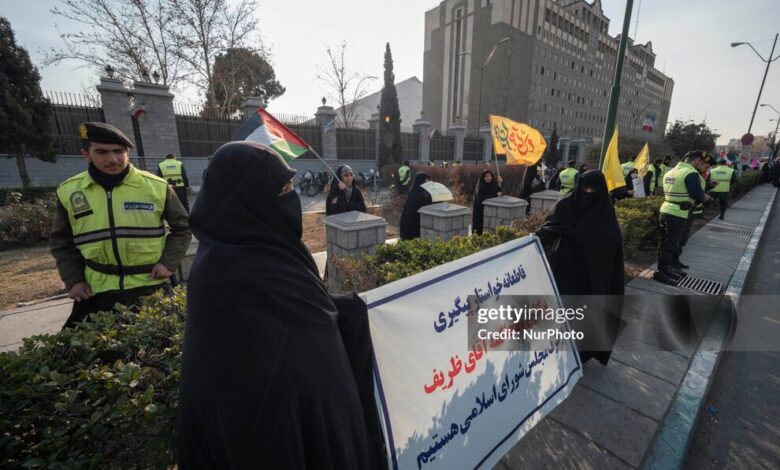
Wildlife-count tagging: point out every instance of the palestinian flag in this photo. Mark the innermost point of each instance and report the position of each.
(263, 128)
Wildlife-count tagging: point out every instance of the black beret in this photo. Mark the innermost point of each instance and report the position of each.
(102, 133)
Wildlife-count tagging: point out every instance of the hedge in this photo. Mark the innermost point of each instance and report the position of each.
(103, 395)
(29, 194)
(26, 223)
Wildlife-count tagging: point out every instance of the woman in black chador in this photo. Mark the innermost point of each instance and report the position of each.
(584, 246)
(417, 198)
(344, 195)
(487, 187)
(267, 379)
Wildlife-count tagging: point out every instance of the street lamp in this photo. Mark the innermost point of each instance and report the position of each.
(768, 63)
(481, 68)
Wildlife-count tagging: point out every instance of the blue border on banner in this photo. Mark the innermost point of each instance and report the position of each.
(385, 412)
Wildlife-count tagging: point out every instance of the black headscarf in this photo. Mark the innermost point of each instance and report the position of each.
(264, 375)
(350, 200)
(417, 198)
(584, 246)
(483, 192)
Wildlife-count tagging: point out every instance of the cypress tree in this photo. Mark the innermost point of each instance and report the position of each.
(389, 117)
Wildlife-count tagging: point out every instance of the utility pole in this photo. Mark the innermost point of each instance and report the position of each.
(614, 98)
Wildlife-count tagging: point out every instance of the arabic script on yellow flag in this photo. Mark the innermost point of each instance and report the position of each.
(521, 143)
(642, 161)
(611, 167)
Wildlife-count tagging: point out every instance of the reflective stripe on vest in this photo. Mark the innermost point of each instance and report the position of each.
(722, 175)
(117, 230)
(627, 167)
(567, 179)
(675, 191)
(171, 171)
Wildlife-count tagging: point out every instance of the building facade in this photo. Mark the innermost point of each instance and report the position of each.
(548, 63)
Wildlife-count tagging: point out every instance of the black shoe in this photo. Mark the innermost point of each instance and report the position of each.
(678, 271)
(666, 277)
(720, 217)
(679, 265)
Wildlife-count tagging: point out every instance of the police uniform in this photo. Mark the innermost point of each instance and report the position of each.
(568, 178)
(682, 188)
(404, 179)
(724, 177)
(109, 231)
(172, 170)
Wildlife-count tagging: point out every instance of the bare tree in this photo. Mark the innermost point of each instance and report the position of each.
(345, 86)
(135, 37)
(209, 28)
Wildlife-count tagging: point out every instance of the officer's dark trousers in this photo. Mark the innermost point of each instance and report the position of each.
(673, 229)
(105, 302)
(182, 193)
(723, 200)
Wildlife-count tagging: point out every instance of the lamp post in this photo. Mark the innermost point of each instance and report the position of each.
(481, 68)
(766, 71)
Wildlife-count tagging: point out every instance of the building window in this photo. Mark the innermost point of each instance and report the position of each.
(457, 64)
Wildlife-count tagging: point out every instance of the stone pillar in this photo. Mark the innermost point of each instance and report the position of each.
(351, 234)
(116, 108)
(250, 105)
(487, 143)
(502, 211)
(158, 124)
(423, 128)
(443, 221)
(457, 130)
(373, 124)
(326, 119)
(564, 144)
(544, 200)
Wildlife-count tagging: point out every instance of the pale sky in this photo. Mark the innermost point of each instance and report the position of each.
(690, 38)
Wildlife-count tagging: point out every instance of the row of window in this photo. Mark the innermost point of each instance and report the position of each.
(549, 125)
(565, 25)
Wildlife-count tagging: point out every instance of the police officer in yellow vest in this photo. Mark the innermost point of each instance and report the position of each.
(108, 237)
(682, 187)
(569, 177)
(724, 177)
(650, 180)
(404, 178)
(173, 171)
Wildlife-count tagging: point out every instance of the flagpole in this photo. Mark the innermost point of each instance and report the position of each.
(323, 162)
(495, 157)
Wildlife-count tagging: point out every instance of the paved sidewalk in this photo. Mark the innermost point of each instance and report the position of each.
(613, 417)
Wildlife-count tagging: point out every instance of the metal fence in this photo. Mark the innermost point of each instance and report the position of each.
(410, 146)
(442, 148)
(356, 144)
(200, 137)
(472, 149)
(69, 110)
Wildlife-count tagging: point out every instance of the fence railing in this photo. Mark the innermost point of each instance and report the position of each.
(410, 146)
(472, 149)
(442, 148)
(200, 137)
(356, 144)
(65, 126)
(312, 135)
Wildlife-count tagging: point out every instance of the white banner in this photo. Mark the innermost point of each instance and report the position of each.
(450, 401)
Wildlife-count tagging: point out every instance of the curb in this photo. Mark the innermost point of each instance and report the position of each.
(671, 445)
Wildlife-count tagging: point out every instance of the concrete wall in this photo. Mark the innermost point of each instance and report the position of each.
(51, 174)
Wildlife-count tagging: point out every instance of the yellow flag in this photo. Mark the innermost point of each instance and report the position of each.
(521, 143)
(611, 167)
(642, 161)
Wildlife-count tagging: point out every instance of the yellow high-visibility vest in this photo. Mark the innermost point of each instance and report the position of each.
(567, 177)
(171, 171)
(120, 233)
(675, 191)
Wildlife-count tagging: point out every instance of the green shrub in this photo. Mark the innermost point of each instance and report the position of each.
(408, 257)
(103, 395)
(746, 182)
(29, 194)
(26, 223)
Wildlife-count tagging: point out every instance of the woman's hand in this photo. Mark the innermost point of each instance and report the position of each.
(500, 181)
(342, 186)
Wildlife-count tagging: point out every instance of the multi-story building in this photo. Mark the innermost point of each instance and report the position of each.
(552, 67)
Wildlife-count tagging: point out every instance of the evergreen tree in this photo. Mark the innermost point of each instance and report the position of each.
(24, 112)
(389, 117)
